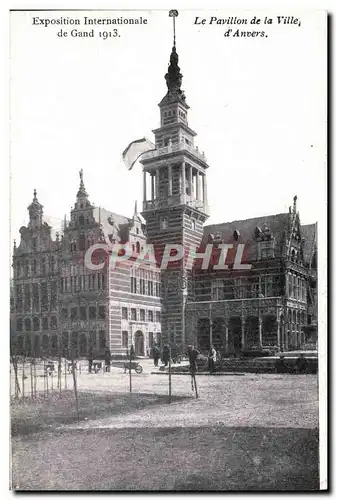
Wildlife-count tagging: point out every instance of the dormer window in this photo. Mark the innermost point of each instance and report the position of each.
(236, 234)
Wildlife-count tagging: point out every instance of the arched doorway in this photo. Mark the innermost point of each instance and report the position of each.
(218, 334)
(269, 330)
(139, 343)
(252, 331)
(234, 335)
(203, 332)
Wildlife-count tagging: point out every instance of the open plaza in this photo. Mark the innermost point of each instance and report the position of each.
(244, 432)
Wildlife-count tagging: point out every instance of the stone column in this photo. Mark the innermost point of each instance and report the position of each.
(183, 182)
(144, 185)
(278, 334)
(169, 180)
(190, 181)
(226, 339)
(152, 187)
(197, 185)
(260, 332)
(243, 342)
(157, 184)
(204, 189)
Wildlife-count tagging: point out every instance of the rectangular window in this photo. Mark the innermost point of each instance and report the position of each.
(158, 316)
(125, 339)
(142, 286)
(124, 313)
(83, 313)
(133, 285)
(73, 313)
(142, 315)
(133, 314)
(92, 312)
(150, 316)
(101, 312)
(150, 288)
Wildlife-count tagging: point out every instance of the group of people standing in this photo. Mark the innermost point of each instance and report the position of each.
(168, 351)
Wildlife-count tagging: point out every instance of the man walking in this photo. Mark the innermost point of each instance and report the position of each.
(166, 354)
(193, 354)
(155, 354)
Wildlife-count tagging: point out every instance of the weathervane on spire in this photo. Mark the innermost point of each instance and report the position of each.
(81, 174)
(174, 14)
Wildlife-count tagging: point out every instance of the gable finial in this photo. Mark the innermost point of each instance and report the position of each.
(174, 14)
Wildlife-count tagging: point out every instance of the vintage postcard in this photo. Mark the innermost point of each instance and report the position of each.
(168, 327)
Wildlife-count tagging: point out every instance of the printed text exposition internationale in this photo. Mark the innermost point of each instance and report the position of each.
(88, 21)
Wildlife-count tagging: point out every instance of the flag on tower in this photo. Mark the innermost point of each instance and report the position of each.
(135, 149)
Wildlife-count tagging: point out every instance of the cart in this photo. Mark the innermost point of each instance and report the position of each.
(134, 366)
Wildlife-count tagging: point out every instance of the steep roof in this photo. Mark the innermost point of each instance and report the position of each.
(112, 224)
(277, 224)
(309, 233)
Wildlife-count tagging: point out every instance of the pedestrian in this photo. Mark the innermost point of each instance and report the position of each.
(166, 354)
(301, 364)
(192, 354)
(211, 359)
(155, 354)
(107, 359)
(90, 359)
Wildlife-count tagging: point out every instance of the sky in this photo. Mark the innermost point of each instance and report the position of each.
(257, 104)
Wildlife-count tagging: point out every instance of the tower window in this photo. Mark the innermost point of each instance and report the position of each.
(81, 220)
(163, 223)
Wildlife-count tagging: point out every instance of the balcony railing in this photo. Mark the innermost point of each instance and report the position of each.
(174, 201)
(180, 146)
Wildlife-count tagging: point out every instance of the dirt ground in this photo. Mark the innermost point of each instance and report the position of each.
(252, 432)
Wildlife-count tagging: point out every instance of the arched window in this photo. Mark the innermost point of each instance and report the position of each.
(53, 322)
(28, 325)
(36, 324)
(19, 325)
(44, 323)
(138, 247)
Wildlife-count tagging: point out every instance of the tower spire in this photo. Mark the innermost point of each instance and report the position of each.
(173, 76)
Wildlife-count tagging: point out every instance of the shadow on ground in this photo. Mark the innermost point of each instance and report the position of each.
(33, 415)
(217, 458)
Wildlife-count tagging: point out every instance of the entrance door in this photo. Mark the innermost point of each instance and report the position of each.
(139, 343)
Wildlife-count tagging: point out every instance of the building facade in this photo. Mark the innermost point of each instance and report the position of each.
(59, 304)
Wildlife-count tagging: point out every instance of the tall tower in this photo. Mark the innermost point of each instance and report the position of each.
(175, 208)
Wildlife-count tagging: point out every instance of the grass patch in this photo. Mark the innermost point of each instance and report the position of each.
(33, 415)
